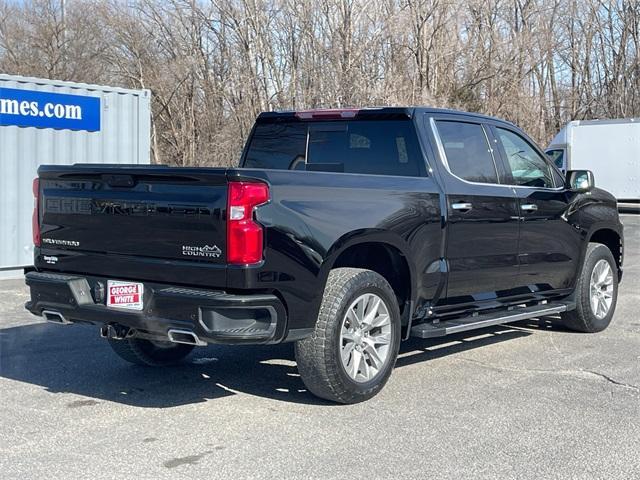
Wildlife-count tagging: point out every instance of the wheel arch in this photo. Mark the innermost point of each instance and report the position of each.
(610, 238)
(381, 252)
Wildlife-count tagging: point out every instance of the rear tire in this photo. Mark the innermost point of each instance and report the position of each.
(353, 349)
(148, 353)
(595, 297)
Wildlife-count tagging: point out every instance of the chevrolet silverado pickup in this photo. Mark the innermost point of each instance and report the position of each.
(344, 231)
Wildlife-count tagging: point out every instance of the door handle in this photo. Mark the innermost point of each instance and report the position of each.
(530, 207)
(461, 206)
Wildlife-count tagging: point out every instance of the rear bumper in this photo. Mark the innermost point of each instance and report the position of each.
(214, 316)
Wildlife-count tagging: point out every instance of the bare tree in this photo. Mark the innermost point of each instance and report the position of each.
(213, 65)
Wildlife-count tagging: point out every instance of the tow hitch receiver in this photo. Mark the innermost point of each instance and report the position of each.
(116, 331)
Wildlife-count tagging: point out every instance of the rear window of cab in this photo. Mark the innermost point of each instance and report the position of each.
(378, 147)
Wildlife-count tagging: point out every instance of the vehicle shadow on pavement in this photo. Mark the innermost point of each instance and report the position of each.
(416, 350)
(76, 360)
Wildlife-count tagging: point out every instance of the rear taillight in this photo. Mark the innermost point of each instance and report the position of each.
(244, 236)
(35, 219)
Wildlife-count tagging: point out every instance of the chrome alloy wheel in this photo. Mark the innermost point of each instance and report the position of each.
(365, 337)
(601, 289)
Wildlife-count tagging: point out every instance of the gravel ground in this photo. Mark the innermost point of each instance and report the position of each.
(528, 401)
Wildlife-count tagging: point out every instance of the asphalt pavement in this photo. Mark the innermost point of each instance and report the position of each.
(525, 401)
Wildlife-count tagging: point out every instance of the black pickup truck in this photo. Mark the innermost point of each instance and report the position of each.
(344, 231)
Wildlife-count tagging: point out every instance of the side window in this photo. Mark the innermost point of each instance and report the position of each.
(528, 168)
(468, 153)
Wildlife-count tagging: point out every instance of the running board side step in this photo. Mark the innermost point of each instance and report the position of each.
(431, 330)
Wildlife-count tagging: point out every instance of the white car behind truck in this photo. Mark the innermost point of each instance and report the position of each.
(609, 148)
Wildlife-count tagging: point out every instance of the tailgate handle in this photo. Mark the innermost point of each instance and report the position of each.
(118, 180)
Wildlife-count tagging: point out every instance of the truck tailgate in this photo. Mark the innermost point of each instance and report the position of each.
(154, 212)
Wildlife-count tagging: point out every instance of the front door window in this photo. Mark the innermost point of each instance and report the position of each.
(528, 168)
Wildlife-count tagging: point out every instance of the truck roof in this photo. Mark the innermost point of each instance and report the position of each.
(365, 112)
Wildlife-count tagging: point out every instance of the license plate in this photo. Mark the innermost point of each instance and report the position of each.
(125, 294)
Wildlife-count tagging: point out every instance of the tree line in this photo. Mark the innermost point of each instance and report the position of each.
(213, 65)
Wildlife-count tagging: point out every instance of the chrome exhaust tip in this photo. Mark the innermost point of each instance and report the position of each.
(178, 335)
(55, 317)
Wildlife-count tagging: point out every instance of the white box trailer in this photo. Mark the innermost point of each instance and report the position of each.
(609, 148)
(53, 122)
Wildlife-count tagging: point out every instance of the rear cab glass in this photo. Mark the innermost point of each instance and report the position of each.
(279, 146)
(377, 147)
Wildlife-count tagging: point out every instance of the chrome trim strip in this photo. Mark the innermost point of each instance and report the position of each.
(461, 206)
(443, 156)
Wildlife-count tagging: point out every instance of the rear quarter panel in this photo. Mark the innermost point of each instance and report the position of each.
(314, 216)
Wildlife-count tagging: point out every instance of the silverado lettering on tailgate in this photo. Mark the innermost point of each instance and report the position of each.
(86, 206)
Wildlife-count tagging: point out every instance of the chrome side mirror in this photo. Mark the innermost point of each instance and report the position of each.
(580, 180)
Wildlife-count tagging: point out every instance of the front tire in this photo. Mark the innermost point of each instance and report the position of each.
(596, 292)
(352, 352)
(150, 353)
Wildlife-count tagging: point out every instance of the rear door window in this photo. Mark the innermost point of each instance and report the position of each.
(378, 147)
(468, 153)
